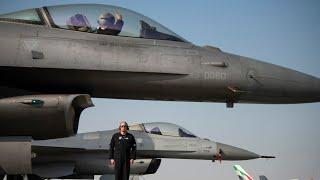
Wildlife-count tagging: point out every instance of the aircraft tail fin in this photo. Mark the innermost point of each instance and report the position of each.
(263, 178)
(241, 173)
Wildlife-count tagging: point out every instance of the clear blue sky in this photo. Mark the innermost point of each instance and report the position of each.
(284, 32)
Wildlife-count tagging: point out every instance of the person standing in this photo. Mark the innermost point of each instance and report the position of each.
(122, 152)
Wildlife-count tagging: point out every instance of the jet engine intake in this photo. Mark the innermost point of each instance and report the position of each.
(42, 116)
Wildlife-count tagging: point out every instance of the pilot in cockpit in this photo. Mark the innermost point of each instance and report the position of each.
(79, 22)
(109, 24)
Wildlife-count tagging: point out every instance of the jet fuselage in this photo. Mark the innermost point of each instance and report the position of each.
(87, 153)
(36, 59)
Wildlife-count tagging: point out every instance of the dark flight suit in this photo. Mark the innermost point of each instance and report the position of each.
(122, 149)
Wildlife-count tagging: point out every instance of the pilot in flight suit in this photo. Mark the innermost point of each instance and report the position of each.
(122, 152)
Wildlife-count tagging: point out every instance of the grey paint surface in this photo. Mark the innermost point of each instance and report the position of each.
(15, 156)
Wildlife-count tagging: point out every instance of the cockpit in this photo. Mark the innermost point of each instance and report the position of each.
(162, 128)
(95, 18)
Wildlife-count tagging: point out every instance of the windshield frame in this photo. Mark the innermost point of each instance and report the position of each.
(37, 10)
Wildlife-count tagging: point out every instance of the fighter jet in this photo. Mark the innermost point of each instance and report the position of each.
(53, 59)
(113, 52)
(85, 155)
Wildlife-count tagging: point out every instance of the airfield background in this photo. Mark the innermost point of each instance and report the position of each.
(284, 32)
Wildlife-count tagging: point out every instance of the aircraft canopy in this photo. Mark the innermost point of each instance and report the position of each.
(166, 129)
(95, 18)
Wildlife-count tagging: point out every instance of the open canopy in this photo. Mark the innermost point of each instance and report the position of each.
(96, 18)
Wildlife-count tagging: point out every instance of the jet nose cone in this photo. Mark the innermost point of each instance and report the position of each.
(308, 84)
(228, 152)
(271, 83)
(304, 88)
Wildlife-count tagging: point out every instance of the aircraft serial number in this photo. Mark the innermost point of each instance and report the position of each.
(215, 75)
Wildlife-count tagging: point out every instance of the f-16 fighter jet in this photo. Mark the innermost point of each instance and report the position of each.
(87, 154)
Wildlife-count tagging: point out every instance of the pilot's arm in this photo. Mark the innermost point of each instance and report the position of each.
(133, 148)
(111, 149)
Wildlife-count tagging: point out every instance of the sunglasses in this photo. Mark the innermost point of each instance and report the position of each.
(123, 126)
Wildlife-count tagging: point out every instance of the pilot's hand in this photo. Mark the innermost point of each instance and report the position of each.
(112, 161)
(118, 16)
(131, 161)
